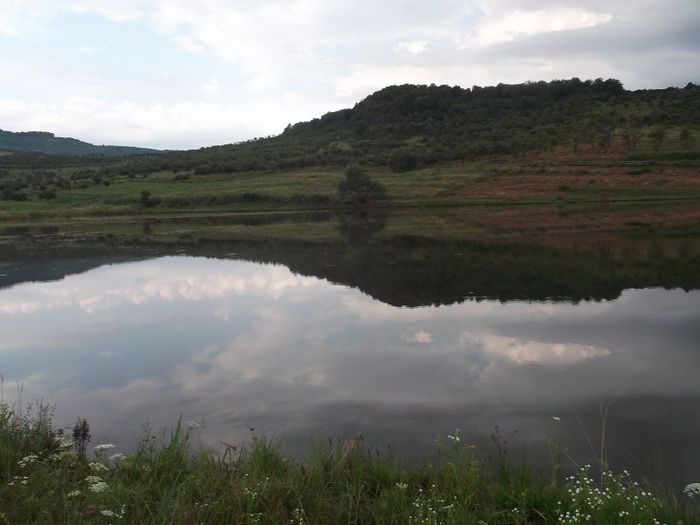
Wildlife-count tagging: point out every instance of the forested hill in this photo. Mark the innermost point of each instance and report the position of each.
(45, 142)
(410, 125)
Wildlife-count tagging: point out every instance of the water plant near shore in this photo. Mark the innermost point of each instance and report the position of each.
(168, 480)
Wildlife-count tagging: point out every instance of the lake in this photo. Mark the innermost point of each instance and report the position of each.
(405, 341)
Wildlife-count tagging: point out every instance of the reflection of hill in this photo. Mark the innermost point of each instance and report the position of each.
(55, 269)
(412, 271)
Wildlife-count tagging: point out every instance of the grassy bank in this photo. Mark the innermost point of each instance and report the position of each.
(48, 477)
(446, 185)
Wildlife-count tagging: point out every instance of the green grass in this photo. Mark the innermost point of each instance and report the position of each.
(48, 479)
(450, 184)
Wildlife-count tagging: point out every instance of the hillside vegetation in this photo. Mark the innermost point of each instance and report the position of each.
(543, 142)
(45, 142)
(410, 126)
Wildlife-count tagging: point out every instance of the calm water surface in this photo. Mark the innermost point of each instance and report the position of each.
(239, 344)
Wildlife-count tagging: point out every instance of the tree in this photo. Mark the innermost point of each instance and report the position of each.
(630, 137)
(402, 159)
(357, 188)
(147, 201)
(686, 138)
(657, 136)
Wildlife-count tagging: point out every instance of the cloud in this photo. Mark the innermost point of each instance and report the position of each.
(211, 86)
(519, 23)
(164, 125)
(534, 352)
(274, 62)
(420, 337)
(414, 47)
(163, 280)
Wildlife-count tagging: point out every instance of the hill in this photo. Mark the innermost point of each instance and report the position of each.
(412, 126)
(48, 143)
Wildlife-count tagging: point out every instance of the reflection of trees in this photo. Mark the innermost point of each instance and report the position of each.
(414, 271)
(358, 226)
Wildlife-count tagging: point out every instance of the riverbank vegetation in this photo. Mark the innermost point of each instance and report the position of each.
(53, 476)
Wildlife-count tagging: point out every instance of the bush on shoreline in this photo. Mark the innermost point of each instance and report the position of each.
(43, 479)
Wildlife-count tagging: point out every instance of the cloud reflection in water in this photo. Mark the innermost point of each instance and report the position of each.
(239, 344)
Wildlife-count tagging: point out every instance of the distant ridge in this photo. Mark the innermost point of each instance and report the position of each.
(413, 126)
(45, 142)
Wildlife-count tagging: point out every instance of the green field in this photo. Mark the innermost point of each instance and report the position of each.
(316, 189)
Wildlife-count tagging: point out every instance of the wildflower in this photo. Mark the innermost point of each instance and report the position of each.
(93, 479)
(117, 457)
(27, 460)
(66, 443)
(98, 487)
(103, 447)
(692, 490)
(109, 513)
(402, 486)
(193, 425)
(97, 467)
(73, 494)
(453, 438)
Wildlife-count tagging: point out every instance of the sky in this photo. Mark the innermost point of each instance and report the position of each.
(191, 73)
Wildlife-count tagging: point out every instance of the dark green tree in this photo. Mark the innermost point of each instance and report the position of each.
(356, 188)
(402, 159)
(147, 201)
(657, 137)
(686, 138)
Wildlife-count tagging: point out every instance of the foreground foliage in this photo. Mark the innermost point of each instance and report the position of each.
(46, 477)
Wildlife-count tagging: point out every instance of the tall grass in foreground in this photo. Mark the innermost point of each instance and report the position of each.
(47, 477)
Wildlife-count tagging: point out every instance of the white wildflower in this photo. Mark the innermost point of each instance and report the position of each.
(109, 513)
(73, 494)
(193, 425)
(98, 467)
(93, 479)
(103, 447)
(27, 460)
(65, 443)
(98, 487)
(117, 457)
(402, 486)
(692, 490)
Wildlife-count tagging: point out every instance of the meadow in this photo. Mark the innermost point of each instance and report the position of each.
(167, 193)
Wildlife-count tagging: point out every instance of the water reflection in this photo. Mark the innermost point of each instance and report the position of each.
(241, 344)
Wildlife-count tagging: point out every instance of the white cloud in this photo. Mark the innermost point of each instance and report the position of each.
(529, 352)
(157, 281)
(414, 47)
(211, 86)
(420, 337)
(198, 123)
(285, 61)
(519, 23)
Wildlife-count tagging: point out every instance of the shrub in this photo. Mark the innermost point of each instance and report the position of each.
(357, 188)
(402, 159)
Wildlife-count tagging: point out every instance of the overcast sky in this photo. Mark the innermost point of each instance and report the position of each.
(191, 73)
